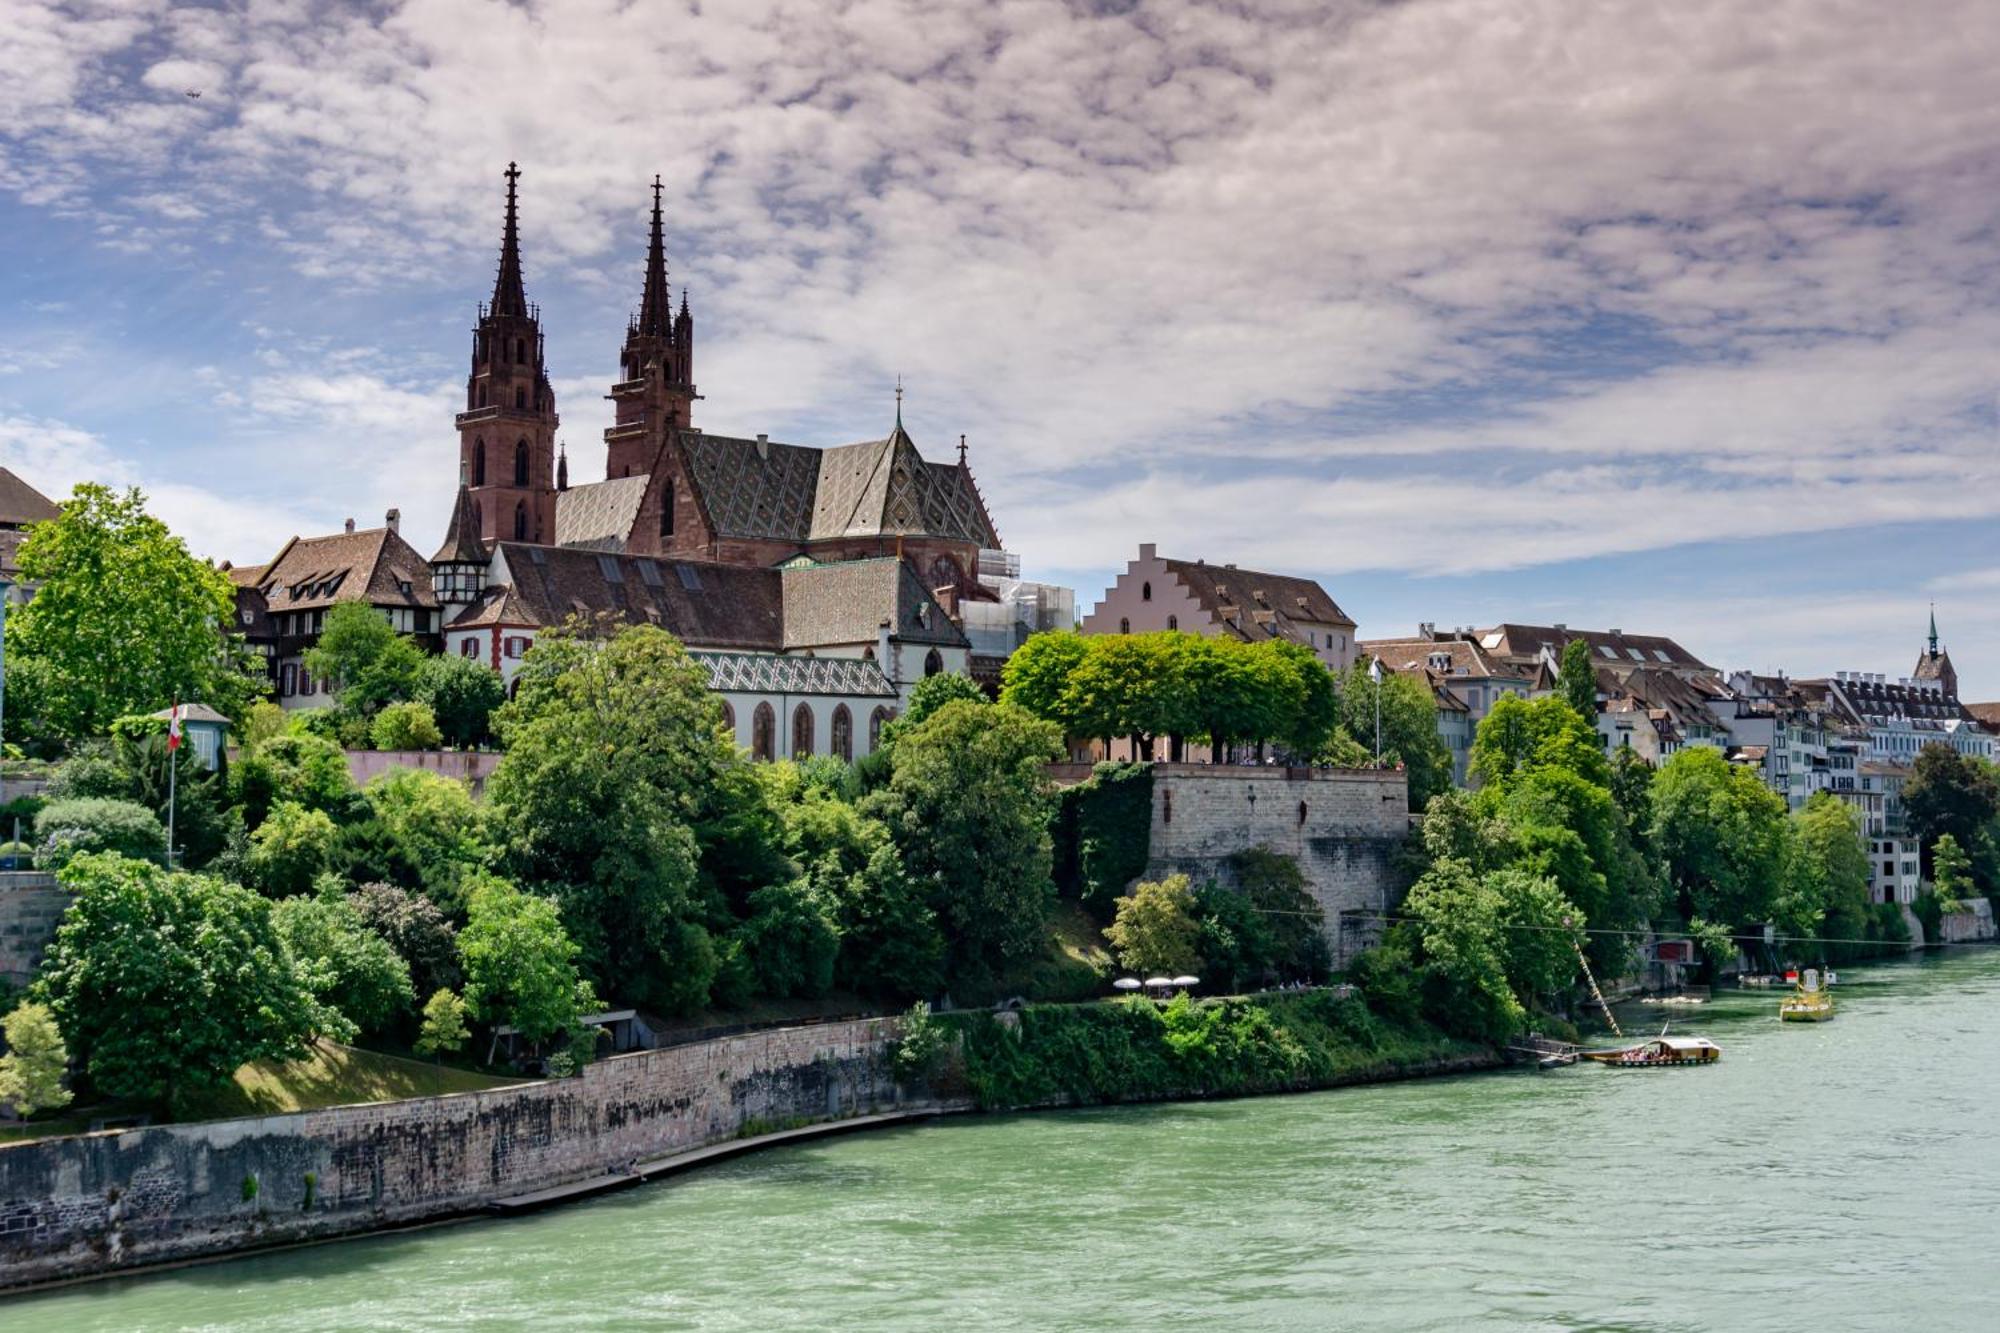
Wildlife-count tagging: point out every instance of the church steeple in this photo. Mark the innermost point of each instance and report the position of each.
(506, 434)
(510, 297)
(655, 391)
(1934, 629)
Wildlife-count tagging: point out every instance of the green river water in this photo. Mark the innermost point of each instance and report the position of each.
(1839, 1176)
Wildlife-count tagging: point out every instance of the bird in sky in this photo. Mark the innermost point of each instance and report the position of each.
(194, 93)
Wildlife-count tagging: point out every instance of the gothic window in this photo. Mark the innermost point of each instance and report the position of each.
(841, 737)
(520, 462)
(933, 662)
(521, 521)
(479, 462)
(729, 719)
(763, 731)
(1173, 622)
(520, 349)
(667, 509)
(482, 393)
(802, 731)
(1302, 814)
(1145, 592)
(876, 721)
(520, 397)
(1124, 626)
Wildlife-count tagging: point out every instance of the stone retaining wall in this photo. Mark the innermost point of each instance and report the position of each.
(31, 906)
(90, 1204)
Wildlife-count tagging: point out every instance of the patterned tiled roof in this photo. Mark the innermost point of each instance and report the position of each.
(768, 673)
(752, 488)
(599, 515)
(846, 601)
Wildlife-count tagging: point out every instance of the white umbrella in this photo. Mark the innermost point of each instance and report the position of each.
(1187, 981)
(1158, 981)
(1127, 983)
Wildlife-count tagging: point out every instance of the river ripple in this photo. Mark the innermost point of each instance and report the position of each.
(1838, 1176)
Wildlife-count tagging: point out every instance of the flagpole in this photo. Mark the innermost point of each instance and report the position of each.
(1375, 679)
(173, 774)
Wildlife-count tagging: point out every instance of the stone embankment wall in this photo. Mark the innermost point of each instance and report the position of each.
(31, 906)
(1972, 924)
(90, 1204)
(1341, 825)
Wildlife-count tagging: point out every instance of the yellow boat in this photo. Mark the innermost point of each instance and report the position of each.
(1807, 1004)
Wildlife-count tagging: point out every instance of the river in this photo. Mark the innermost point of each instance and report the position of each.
(1839, 1176)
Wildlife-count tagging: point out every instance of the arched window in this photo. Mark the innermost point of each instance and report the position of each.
(840, 739)
(1124, 625)
(482, 393)
(1145, 592)
(729, 719)
(667, 508)
(933, 662)
(763, 732)
(868, 653)
(479, 462)
(521, 521)
(802, 731)
(1173, 622)
(876, 721)
(520, 397)
(520, 462)
(520, 349)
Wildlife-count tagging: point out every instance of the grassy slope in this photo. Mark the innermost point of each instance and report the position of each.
(333, 1075)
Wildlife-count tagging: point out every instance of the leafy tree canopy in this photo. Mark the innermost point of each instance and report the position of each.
(125, 620)
(348, 967)
(1721, 836)
(363, 660)
(1578, 679)
(31, 1072)
(1154, 930)
(520, 965)
(463, 694)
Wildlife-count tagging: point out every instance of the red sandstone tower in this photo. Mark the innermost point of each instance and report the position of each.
(656, 393)
(507, 432)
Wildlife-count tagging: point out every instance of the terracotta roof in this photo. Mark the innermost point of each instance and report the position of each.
(846, 601)
(599, 515)
(702, 605)
(497, 605)
(462, 544)
(1467, 658)
(375, 565)
(21, 503)
(1252, 604)
(246, 576)
(768, 673)
(1988, 714)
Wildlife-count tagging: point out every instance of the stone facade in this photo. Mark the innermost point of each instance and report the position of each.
(31, 906)
(91, 1204)
(1340, 825)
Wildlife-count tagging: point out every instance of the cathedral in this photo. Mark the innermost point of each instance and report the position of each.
(815, 585)
(672, 489)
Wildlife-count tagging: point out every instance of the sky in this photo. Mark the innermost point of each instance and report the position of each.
(1675, 318)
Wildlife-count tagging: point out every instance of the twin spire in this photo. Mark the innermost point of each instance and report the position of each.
(509, 296)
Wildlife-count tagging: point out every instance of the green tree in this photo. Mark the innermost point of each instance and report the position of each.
(417, 930)
(31, 1072)
(1518, 734)
(124, 620)
(405, 726)
(520, 965)
(65, 830)
(1458, 927)
(363, 660)
(968, 807)
(1037, 675)
(1578, 679)
(612, 750)
(1951, 873)
(1951, 793)
(1632, 789)
(263, 721)
(1154, 929)
(347, 966)
(1409, 729)
(790, 940)
(303, 769)
(934, 692)
(165, 982)
(435, 828)
(1830, 872)
(463, 694)
(1721, 837)
(443, 1029)
(289, 850)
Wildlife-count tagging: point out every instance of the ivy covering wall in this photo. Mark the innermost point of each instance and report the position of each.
(1103, 828)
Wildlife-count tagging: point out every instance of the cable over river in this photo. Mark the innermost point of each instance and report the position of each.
(1826, 1176)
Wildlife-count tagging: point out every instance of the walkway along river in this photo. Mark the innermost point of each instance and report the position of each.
(1822, 1177)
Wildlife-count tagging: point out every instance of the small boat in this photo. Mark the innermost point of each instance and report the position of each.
(1660, 1053)
(1810, 1003)
(1674, 1001)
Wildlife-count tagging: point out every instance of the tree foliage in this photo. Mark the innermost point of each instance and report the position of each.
(443, 1030)
(405, 726)
(65, 830)
(462, 694)
(289, 850)
(1154, 929)
(1578, 679)
(520, 965)
(347, 966)
(125, 620)
(166, 982)
(364, 662)
(31, 1072)
(422, 936)
(1721, 837)
(1409, 729)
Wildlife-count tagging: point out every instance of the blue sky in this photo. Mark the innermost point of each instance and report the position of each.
(1679, 319)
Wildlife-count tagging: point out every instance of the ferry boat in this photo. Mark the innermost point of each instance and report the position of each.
(1659, 1053)
(1810, 1003)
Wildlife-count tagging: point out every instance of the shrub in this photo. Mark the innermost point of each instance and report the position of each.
(790, 940)
(343, 963)
(65, 830)
(289, 850)
(921, 1045)
(407, 726)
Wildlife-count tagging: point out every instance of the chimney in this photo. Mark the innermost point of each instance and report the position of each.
(1618, 631)
(1561, 629)
(350, 525)
(1149, 551)
(394, 518)
(763, 445)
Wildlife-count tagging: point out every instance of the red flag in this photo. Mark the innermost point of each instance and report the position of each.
(173, 728)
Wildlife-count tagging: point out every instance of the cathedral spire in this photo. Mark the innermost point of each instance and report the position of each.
(1933, 629)
(656, 306)
(509, 297)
